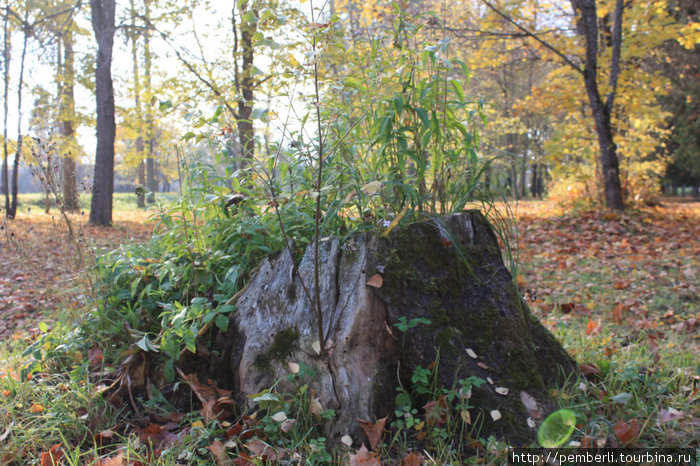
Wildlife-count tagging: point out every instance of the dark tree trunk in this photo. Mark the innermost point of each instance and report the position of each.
(533, 184)
(244, 82)
(588, 28)
(6, 62)
(103, 181)
(12, 212)
(67, 112)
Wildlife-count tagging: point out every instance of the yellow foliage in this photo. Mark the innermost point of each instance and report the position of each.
(689, 35)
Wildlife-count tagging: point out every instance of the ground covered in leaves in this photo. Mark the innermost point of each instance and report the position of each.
(619, 290)
(40, 263)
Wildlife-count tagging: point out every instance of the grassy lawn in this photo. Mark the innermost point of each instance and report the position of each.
(620, 291)
(30, 202)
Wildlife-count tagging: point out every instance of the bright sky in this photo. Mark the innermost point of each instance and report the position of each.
(211, 22)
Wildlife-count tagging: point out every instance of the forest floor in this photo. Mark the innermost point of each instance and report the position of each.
(619, 290)
(41, 264)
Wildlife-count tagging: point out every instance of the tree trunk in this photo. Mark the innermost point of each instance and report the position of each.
(6, 61)
(588, 27)
(140, 194)
(12, 212)
(103, 181)
(244, 83)
(151, 183)
(67, 112)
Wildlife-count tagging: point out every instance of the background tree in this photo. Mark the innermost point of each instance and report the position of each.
(103, 14)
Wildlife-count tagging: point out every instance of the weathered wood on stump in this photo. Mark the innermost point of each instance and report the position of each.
(448, 271)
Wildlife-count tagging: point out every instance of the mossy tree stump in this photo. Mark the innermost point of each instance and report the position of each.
(448, 272)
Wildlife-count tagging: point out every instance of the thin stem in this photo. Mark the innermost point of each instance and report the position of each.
(317, 213)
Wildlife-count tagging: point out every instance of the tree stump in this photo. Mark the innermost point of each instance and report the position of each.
(448, 272)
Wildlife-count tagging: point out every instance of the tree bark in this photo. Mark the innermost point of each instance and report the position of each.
(67, 112)
(103, 181)
(244, 82)
(151, 181)
(588, 28)
(12, 212)
(140, 195)
(6, 62)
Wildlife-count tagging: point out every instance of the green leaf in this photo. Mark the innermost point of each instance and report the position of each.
(43, 327)
(402, 399)
(222, 322)
(258, 113)
(621, 398)
(458, 89)
(164, 105)
(557, 428)
(146, 345)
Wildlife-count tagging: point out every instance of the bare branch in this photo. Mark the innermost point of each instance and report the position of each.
(527, 32)
(615, 60)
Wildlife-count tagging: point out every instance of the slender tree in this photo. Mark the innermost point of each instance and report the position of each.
(12, 211)
(67, 120)
(245, 85)
(102, 15)
(134, 36)
(151, 181)
(587, 26)
(7, 43)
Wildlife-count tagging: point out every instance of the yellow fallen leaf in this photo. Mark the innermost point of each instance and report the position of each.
(36, 408)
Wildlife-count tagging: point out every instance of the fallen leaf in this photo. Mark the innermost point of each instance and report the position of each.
(531, 405)
(591, 326)
(216, 402)
(36, 408)
(294, 367)
(471, 353)
(495, 415)
(219, 451)
(436, 412)
(375, 281)
(502, 391)
(53, 456)
(621, 284)
(287, 425)
(279, 417)
(373, 431)
(482, 365)
(589, 371)
(95, 356)
(670, 414)
(315, 406)
(346, 440)
(363, 457)
(262, 450)
(117, 460)
(624, 432)
(413, 459)
(466, 417)
(567, 307)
